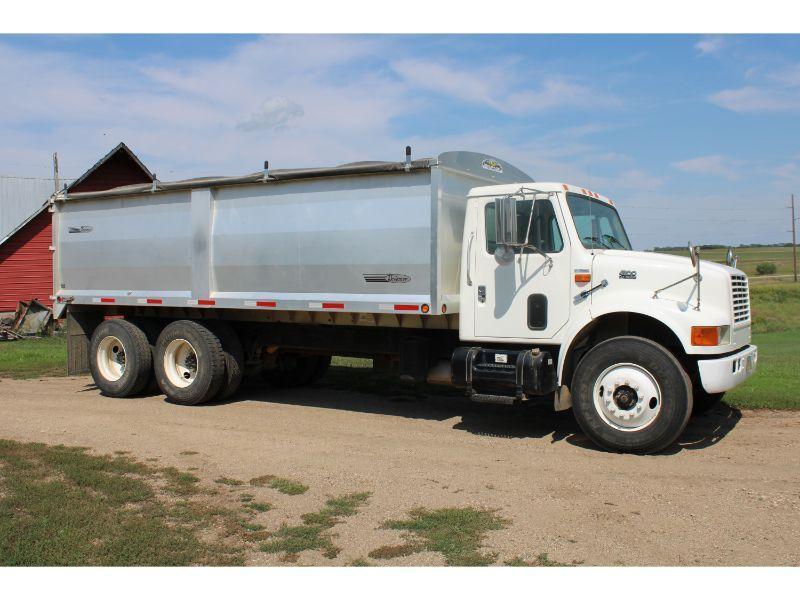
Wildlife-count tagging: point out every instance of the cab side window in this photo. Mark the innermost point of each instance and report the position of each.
(544, 231)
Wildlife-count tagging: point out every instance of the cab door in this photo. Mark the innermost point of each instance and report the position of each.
(526, 297)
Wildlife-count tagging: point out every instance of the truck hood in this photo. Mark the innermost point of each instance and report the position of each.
(640, 274)
(668, 264)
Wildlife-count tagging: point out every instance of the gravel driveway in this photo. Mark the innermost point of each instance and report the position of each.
(729, 494)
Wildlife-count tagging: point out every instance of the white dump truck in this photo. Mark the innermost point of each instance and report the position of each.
(460, 269)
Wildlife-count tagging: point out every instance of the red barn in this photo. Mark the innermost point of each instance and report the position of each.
(26, 261)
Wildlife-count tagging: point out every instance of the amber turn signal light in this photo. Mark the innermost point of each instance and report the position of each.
(705, 336)
(582, 277)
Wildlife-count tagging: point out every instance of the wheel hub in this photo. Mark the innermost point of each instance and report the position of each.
(111, 359)
(627, 397)
(180, 363)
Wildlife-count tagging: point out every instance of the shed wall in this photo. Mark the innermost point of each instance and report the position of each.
(26, 264)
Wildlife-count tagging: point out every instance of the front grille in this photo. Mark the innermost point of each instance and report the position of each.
(740, 293)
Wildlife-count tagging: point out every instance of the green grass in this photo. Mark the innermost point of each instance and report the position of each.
(63, 506)
(776, 382)
(775, 307)
(34, 357)
(457, 533)
(282, 484)
(314, 533)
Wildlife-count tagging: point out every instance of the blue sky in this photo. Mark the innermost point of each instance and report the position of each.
(695, 137)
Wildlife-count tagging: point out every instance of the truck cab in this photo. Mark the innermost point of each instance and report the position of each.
(633, 341)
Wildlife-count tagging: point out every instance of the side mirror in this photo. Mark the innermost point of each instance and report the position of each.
(693, 254)
(505, 221)
(731, 259)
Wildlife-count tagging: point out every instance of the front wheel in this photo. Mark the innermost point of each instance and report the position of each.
(631, 394)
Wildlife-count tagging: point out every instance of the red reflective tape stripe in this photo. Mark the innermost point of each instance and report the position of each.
(266, 303)
(333, 305)
(155, 301)
(406, 306)
(108, 300)
(206, 302)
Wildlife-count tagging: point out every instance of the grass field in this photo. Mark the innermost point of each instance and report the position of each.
(749, 258)
(776, 332)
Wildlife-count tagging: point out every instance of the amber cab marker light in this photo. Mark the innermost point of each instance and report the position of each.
(705, 336)
(582, 277)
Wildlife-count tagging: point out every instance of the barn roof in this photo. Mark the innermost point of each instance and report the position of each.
(21, 199)
(120, 151)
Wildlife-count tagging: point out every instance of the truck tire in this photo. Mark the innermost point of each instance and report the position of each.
(234, 358)
(119, 358)
(631, 394)
(151, 328)
(294, 370)
(703, 401)
(189, 363)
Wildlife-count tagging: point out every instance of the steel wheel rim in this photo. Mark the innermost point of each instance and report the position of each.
(627, 397)
(180, 363)
(111, 359)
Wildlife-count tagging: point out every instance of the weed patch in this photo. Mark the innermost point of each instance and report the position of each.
(388, 552)
(457, 533)
(283, 485)
(313, 534)
(229, 481)
(540, 561)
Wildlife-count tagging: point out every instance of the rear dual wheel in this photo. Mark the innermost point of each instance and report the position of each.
(120, 359)
(189, 363)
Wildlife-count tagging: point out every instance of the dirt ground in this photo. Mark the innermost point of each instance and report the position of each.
(728, 494)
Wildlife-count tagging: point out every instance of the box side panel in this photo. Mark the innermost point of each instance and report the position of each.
(125, 246)
(363, 239)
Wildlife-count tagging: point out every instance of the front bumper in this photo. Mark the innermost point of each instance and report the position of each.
(722, 374)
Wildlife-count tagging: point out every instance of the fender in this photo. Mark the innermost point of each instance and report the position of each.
(669, 313)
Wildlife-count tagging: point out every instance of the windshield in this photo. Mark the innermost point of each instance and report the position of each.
(598, 223)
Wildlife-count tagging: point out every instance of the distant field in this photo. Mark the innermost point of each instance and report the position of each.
(749, 258)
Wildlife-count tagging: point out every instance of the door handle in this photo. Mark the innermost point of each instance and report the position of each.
(469, 259)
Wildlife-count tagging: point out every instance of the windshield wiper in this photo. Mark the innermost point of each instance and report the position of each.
(614, 240)
(596, 240)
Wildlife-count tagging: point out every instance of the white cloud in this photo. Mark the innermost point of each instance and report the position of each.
(709, 165)
(498, 88)
(751, 99)
(771, 91)
(710, 45)
(272, 114)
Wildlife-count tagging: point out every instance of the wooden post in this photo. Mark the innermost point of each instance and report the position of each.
(794, 242)
(55, 171)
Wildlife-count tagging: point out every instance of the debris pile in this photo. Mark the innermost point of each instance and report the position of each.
(32, 319)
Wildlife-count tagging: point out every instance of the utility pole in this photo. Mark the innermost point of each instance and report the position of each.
(794, 242)
(55, 171)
